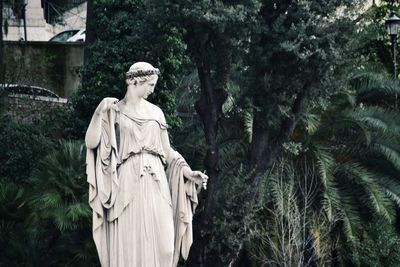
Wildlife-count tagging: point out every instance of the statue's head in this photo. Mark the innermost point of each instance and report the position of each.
(142, 77)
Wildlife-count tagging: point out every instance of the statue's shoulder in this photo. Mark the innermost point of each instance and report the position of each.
(111, 105)
(154, 109)
(158, 114)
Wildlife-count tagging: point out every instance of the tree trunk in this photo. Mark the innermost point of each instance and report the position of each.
(265, 151)
(90, 30)
(209, 108)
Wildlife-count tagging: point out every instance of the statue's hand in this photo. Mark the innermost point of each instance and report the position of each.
(196, 176)
(106, 104)
(200, 178)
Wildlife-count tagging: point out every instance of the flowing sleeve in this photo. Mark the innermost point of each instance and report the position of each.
(184, 201)
(103, 182)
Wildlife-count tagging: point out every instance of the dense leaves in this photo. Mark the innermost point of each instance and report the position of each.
(346, 155)
(22, 146)
(46, 221)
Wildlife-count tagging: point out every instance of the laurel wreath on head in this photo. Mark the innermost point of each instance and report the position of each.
(137, 73)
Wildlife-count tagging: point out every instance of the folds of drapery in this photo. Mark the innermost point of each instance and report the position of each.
(184, 203)
(101, 171)
(102, 176)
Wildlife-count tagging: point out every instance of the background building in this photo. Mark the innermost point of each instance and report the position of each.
(44, 18)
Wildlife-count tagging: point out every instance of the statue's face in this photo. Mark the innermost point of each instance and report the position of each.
(143, 89)
(148, 86)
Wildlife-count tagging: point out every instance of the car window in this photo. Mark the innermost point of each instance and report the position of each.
(63, 36)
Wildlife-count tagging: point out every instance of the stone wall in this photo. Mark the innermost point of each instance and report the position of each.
(27, 108)
(45, 64)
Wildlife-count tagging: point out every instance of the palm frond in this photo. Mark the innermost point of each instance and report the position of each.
(325, 164)
(378, 118)
(369, 85)
(370, 194)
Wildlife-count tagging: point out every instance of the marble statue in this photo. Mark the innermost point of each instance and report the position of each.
(142, 192)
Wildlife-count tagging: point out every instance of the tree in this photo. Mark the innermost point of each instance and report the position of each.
(46, 219)
(380, 235)
(299, 53)
(214, 32)
(90, 34)
(290, 53)
(348, 152)
(303, 41)
(374, 41)
(60, 217)
(288, 229)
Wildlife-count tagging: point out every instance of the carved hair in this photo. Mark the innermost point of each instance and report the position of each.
(141, 72)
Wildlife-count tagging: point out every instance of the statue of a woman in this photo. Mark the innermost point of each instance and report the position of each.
(142, 192)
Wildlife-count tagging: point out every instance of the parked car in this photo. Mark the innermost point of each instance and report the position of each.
(27, 90)
(69, 36)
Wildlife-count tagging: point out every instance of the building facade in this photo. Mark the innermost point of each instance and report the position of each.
(41, 24)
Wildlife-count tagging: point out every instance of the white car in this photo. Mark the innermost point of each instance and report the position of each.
(27, 90)
(69, 36)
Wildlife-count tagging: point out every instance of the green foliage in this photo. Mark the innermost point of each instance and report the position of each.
(374, 43)
(13, 238)
(298, 47)
(125, 34)
(233, 142)
(22, 145)
(378, 245)
(353, 144)
(344, 150)
(60, 209)
(60, 185)
(46, 221)
(214, 31)
(347, 138)
(287, 229)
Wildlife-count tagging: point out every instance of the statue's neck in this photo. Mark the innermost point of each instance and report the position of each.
(133, 101)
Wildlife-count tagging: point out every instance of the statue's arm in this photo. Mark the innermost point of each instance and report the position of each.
(92, 137)
(93, 133)
(169, 151)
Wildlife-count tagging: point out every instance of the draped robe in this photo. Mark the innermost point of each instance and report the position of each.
(142, 204)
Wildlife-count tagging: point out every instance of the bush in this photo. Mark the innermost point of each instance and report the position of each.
(378, 245)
